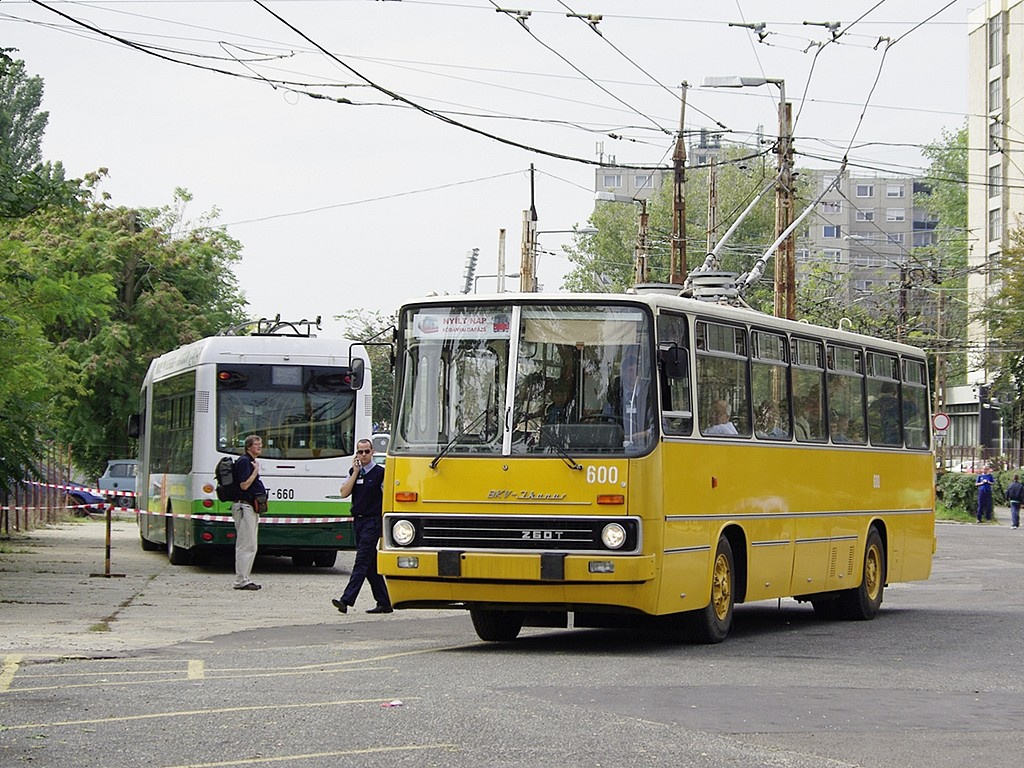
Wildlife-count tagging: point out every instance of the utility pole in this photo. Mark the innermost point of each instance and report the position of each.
(501, 261)
(678, 267)
(642, 248)
(712, 204)
(901, 311)
(785, 254)
(528, 266)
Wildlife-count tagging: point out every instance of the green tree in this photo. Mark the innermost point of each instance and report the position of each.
(376, 330)
(114, 287)
(26, 183)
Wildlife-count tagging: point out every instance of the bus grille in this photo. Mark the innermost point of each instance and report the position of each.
(516, 533)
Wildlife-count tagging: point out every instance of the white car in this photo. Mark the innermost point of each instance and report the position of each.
(119, 478)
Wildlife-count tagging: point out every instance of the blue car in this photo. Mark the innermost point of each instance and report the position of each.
(77, 497)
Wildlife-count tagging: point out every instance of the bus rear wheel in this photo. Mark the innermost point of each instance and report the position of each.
(175, 554)
(496, 626)
(712, 623)
(325, 559)
(863, 603)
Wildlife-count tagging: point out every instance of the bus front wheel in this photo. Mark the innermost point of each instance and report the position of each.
(712, 623)
(496, 626)
(863, 602)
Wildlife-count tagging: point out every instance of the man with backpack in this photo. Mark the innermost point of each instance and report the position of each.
(250, 501)
(1015, 495)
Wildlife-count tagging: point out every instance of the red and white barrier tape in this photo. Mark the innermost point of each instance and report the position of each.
(265, 519)
(93, 491)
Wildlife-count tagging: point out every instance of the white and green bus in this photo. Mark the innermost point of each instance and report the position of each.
(307, 397)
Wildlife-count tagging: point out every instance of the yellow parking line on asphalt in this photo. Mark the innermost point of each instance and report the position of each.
(196, 712)
(9, 669)
(311, 755)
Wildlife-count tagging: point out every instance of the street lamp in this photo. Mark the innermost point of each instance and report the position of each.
(785, 254)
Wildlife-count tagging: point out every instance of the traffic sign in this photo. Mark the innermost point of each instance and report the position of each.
(940, 421)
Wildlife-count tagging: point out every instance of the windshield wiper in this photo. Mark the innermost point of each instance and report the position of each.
(469, 427)
(564, 456)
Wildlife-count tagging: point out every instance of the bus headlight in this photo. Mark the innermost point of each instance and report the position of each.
(613, 535)
(403, 532)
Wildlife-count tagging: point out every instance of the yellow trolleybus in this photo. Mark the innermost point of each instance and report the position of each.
(649, 458)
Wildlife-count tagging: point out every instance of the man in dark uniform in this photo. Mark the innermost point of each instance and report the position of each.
(365, 484)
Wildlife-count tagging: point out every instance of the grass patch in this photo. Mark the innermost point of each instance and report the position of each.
(100, 627)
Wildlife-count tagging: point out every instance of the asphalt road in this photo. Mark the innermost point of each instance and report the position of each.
(168, 666)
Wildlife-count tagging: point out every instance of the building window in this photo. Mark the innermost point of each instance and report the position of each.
(833, 254)
(896, 237)
(642, 181)
(831, 231)
(865, 190)
(895, 214)
(827, 179)
(995, 224)
(832, 206)
(995, 138)
(611, 181)
(895, 190)
(995, 180)
(860, 259)
(922, 239)
(995, 40)
(863, 285)
(995, 95)
(803, 254)
(865, 215)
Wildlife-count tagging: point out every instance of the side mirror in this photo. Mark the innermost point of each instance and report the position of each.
(672, 360)
(357, 369)
(134, 425)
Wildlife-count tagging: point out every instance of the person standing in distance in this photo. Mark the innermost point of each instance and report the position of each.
(985, 482)
(365, 484)
(1015, 495)
(245, 510)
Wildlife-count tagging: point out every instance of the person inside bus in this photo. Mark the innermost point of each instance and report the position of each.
(628, 401)
(840, 427)
(807, 422)
(558, 411)
(719, 417)
(768, 422)
(884, 416)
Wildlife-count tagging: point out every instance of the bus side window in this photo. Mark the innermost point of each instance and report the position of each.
(674, 375)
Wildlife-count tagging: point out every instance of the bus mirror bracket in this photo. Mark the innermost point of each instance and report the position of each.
(672, 362)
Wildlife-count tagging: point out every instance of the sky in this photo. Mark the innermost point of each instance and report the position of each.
(368, 204)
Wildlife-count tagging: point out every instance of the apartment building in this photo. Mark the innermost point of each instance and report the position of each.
(866, 227)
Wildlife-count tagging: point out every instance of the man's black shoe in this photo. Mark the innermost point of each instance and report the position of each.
(341, 605)
(382, 609)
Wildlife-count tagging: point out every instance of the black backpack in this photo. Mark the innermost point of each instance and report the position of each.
(224, 474)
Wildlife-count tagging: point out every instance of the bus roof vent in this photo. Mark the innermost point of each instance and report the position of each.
(667, 288)
(714, 286)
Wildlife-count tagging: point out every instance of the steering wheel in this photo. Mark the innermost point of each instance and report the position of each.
(599, 418)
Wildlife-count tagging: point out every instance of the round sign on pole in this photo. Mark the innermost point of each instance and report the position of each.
(940, 421)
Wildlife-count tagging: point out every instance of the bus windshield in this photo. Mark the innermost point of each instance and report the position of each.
(301, 411)
(498, 380)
